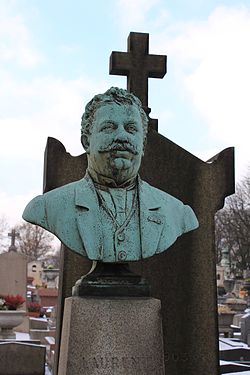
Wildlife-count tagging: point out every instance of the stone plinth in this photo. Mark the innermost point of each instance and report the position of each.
(118, 336)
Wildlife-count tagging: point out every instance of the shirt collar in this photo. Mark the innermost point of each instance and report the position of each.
(104, 183)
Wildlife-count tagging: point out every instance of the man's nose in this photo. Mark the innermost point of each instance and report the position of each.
(121, 134)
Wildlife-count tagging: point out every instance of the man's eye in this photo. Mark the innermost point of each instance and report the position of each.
(109, 126)
(131, 128)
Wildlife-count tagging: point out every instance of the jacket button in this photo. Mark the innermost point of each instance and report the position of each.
(122, 255)
(121, 236)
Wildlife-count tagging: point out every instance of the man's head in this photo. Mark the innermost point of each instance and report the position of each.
(114, 130)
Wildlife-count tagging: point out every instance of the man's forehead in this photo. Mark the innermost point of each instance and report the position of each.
(113, 110)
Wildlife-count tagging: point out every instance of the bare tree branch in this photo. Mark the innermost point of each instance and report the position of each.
(34, 241)
(232, 227)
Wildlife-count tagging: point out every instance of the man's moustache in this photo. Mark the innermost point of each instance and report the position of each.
(119, 147)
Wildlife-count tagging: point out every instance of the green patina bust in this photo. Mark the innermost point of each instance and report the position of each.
(111, 215)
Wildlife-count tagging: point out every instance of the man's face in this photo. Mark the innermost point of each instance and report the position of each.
(116, 142)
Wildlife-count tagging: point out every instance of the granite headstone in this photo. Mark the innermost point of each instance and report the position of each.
(183, 278)
(22, 359)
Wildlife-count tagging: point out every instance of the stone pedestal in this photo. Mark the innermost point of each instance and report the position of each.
(112, 336)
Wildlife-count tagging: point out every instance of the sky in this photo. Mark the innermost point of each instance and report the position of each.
(54, 57)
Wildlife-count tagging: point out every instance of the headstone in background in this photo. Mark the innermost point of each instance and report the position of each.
(13, 273)
(233, 368)
(13, 235)
(22, 359)
(245, 327)
(48, 297)
(38, 323)
(235, 354)
(39, 330)
(13, 269)
(183, 278)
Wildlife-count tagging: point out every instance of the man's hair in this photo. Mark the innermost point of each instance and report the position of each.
(113, 95)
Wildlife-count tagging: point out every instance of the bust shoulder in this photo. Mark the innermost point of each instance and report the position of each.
(179, 214)
(50, 204)
(159, 196)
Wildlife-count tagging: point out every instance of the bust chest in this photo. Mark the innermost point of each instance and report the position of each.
(119, 212)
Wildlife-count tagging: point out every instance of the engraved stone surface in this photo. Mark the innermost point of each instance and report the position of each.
(112, 337)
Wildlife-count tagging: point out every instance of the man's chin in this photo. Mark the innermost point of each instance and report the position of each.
(121, 163)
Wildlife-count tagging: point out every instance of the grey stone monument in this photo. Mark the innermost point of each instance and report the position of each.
(22, 359)
(13, 270)
(183, 278)
(245, 328)
(13, 235)
(112, 336)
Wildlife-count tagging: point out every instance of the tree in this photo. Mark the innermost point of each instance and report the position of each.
(232, 228)
(34, 241)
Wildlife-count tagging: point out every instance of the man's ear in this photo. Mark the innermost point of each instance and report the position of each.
(85, 142)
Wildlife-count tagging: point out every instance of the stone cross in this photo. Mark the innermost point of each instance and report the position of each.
(13, 236)
(138, 66)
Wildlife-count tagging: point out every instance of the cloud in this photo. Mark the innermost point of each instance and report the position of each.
(45, 106)
(30, 111)
(139, 14)
(33, 107)
(219, 85)
(210, 60)
(16, 40)
(13, 205)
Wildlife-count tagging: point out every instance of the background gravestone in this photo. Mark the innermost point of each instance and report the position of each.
(22, 359)
(13, 275)
(184, 277)
(245, 328)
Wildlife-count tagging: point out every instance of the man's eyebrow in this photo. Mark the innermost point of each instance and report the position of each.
(132, 122)
(108, 122)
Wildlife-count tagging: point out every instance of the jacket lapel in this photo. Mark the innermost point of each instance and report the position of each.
(151, 220)
(88, 218)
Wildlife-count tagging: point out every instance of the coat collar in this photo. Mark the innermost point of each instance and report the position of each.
(85, 194)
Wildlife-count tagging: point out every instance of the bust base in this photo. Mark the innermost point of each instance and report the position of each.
(111, 280)
(107, 336)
